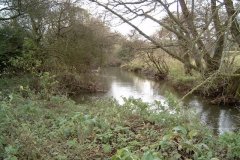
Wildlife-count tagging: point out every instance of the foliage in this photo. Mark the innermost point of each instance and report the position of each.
(52, 35)
(230, 142)
(36, 122)
(28, 61)
(81, 48)
(128, 49)
(35, 127)
(182, 28)
(11, 43)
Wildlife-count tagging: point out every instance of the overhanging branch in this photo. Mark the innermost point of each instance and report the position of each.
(157, 44)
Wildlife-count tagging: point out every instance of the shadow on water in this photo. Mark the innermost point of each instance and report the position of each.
(121, 83)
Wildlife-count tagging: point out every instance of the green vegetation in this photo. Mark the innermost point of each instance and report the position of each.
(55, 127)
(50, 49)
(218, 87)
(195, 34)
(62, 37)
(176, 75)
(58, 37)
(52, 35)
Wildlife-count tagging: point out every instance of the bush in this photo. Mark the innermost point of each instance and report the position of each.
(28, 61)
(12, 39)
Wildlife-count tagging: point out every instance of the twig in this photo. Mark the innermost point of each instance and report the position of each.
(195, 88)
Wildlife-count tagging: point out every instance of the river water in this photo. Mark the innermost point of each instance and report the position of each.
(120, 83)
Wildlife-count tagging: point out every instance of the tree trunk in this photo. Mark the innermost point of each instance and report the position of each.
(214, 64)
(190, 23)
(187, 68)
(232, 15)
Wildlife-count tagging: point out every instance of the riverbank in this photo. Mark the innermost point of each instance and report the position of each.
(176, 76)
(55, 127)
(67, 83)
(215, 90)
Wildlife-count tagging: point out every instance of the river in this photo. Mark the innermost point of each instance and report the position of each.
(121, 83)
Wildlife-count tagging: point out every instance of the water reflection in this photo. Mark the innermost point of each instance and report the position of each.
(220, 118)
(136, 88)
(125, 84)
(225, 122)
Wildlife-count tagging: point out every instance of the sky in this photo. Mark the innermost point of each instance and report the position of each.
(147, 26)
(116, 24)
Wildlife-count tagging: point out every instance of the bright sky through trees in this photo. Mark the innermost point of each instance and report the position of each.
(148, 26)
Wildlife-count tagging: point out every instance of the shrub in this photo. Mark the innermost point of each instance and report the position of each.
(230, 143)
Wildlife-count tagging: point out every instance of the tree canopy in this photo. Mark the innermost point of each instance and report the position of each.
(202, 29)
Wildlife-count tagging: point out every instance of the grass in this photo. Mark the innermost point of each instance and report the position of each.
(176, 77)
(137, 64)
(58, 128)
(184, 83)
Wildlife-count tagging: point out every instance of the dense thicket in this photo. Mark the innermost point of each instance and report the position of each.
(51, 35)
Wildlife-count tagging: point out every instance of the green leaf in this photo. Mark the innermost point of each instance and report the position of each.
(167, 137)
(10, 150)
(107, 148)
(10, 97)
(124, 154)
(180, 129)
(150, 156)
(72, 143)
(193, 133)
(176, 156)
(11, 158)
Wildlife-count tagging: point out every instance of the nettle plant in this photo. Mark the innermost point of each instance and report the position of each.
(48, 84)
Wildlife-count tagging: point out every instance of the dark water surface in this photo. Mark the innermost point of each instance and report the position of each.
(121, 83)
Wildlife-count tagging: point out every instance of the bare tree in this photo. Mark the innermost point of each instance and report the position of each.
(232, 15)
(10, 9)
(188, 26)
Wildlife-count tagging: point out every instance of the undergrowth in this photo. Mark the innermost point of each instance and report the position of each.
(176, 76)
(55, 127)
